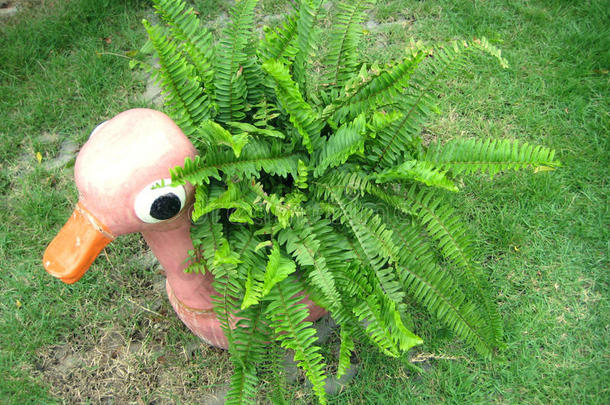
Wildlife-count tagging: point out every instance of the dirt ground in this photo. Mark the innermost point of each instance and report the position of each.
(139, 362)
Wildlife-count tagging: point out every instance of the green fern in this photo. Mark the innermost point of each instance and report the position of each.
(342, 58)
(437, 290)
(305, 40)
(300, 240)
(465, 156)
(455, 244)
(231, 87)
(196, 42)
(278, 268)
(255, 158)
(418, 101)
(324, 187)
(419, 171)
(348, 140)
(206, 236)
(280, 44)
(286, 317)
(187, 102)
(345, 352)
(249, 349)
(302, 115)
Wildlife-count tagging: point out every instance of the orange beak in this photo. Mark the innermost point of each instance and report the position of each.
(78, 243)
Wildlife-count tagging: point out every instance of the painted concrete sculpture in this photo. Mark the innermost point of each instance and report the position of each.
(115, 172)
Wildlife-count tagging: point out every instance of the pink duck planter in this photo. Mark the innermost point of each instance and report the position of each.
(115, 172)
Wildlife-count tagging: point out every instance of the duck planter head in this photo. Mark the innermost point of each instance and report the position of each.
(123, 180)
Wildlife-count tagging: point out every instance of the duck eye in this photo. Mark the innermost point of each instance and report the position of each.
(159, 201)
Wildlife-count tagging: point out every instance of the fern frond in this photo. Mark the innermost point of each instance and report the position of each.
(255, 156)
(345, 352)
(302, 115)
(254, 77)
(212, 134)
(284, 208)
(249, 349)
(277, 269)
(436, 289)
(206, 234)
(374, 239)
(276, 367)
(455, 244)
(302, 175)
(330, 248)
(254, 130)
(348, 140)
(419, 171)
(440, 224)
(418, 102)
(366, 94)
(227, 286)
(188, 104)
(301, 242)
(342, 58)
(305, 40)
(465, 156)
(196, 41)
(234, 197)
(377, 312)
(287, 318)
(230, 83)
(278, 44)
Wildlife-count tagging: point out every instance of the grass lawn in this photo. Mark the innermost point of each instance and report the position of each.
(544, 238)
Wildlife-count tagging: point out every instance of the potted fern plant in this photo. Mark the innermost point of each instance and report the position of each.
(318, 182)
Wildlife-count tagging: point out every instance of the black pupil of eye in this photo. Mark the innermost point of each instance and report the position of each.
(165, 206)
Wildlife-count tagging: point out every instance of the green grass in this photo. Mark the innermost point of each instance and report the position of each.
(543, 238)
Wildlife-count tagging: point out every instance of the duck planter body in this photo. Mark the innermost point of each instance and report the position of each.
(122, 175)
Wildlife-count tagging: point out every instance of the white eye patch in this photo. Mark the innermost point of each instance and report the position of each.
(159, 201)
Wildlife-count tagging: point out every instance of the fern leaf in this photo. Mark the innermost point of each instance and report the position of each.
(255, 157)
(300, 240)
(206, 234)
(345, 352)
(196, 41)
(227, 286)
(374, 239)
(442, 226)
(302, 174)
(213, 134)
(342, 58)
(279, 44)
(436, 289)
(302, 115)
(305, 40)
(230, 82)
(379, 313)
(368, 94)
(234, 197)
(250, 337)
(416, 170)
(254, 130)
(418, 103)
(287, 318)
(465, 156)
(188, 104)
(278, 268)
(283, 208)
(231, 260)
(348, 139)
(454, 242)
